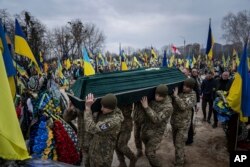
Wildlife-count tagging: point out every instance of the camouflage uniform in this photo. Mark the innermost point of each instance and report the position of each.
(105, 131)
(84, 138)
(180, 121)
(139, 117)
(156, 117)
(124, 136)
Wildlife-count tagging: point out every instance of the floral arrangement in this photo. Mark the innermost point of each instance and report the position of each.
(56, 141)
(39, 138)
(224, 112)
(72, 134)
(50, 151)
(65, 148)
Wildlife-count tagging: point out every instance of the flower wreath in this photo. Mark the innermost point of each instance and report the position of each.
(65, 148)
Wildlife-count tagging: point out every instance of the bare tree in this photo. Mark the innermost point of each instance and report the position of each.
(78, 35)
(66, 40)
(94, 38)
(63, 41)
(236, 27)
(8, 22)
(128, 50)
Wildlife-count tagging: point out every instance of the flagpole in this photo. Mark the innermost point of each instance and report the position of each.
(184, 47)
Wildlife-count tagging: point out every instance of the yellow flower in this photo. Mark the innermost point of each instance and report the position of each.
(45, 157)
(46, 151)
(54, 155)
(49, 143)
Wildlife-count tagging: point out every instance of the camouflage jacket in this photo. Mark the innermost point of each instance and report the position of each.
(183, 105)
(156, 117)
(138, 114)
(105, 132)
(127, 123)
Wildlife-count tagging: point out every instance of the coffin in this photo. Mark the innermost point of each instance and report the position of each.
(128, 86)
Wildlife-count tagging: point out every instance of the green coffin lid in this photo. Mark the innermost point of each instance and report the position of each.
(128, 86)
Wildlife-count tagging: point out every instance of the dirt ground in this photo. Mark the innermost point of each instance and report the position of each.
(208, 150)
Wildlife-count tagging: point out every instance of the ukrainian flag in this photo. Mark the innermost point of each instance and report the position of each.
(20, 69)
(236, 56)
(68, 64)
(123, 63)
(22, 47)
(164, 60)
(11, 72)
(101, 58)
(194, 61)
(239, 93)
(171, 61)
(136, 62)
(41, 57)
(210, 42)
(224, 61)
(59, 69)
(12, 144)
(88, 68)
(154, 55)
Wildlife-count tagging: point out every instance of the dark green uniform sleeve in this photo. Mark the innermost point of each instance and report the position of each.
(101, 126)
(186, 103)
(163, 114)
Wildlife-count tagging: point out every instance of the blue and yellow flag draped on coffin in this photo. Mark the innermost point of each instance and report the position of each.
(88, 68)
(12, 144)
(11, 72)
(22, 47)
(239, 93)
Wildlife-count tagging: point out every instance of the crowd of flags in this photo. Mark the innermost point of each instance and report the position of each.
(11, 140)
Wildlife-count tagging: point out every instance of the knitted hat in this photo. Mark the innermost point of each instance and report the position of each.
(189, 82)
(109, 101)
(161, 90)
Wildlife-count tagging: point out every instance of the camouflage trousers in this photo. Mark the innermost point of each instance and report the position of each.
(179, 139)
(152, 143)
(101, 155)
(122, 148)
(137, 135)
(85, 148)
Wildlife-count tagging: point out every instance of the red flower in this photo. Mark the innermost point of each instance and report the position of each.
(65, 148)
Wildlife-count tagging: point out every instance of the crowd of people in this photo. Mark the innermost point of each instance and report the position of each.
(95, 136)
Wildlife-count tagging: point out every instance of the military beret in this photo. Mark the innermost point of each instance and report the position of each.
(162, 90)
(109, 101)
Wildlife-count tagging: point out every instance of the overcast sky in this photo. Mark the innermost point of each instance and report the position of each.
(136, 23)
